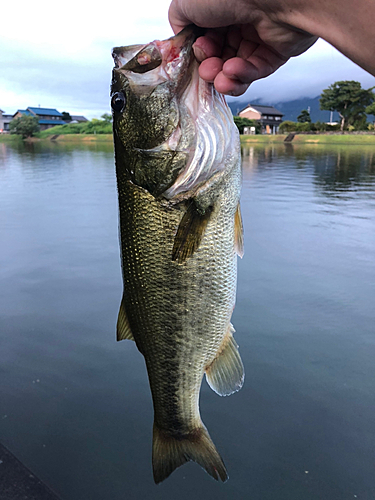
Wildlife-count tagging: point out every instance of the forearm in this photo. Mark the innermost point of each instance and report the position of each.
(346, 25)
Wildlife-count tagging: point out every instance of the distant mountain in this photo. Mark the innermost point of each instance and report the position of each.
(290, 109)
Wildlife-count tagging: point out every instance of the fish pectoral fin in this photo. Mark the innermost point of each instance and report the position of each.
(225, 375)
(169, 452)
(238, 232)
(190, 232)
(123, 328)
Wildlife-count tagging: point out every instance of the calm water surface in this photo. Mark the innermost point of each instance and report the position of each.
(75, 406)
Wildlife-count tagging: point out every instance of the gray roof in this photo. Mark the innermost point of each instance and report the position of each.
(264, 110)
(79, 118)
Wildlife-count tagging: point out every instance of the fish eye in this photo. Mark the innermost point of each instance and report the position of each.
(118, 102)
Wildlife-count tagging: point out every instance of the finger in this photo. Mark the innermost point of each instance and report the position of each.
(229, 86)
(207, 46)
(260, 64)
(210, 68)
(246, 49)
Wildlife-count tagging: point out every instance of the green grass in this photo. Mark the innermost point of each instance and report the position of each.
(311, 139)
(10, 138)
(91, 127)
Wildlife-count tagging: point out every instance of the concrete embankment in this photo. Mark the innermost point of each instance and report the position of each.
(17, 482)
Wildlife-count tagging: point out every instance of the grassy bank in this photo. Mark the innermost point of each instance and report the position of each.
(68, 138)
(245, 139)
(11, 139)
(311, 139)
(79, 138)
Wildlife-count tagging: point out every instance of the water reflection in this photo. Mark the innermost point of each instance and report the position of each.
(335, 168)
(304, 321)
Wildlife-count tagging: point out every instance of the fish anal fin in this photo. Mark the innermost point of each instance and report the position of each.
(190, 233)
(225, 375)
(170, 452)
(123, 328)
(238, 232)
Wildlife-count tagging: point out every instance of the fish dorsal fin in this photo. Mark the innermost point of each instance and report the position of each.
(225, 375)
(190, 232)
(123, 328)
(238, 232)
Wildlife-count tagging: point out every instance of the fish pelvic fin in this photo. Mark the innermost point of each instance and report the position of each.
(123, 328)
(190, 232)
(238, 232)
(225, 375)
(170, 452)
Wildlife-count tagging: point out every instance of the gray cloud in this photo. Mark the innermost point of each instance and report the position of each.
(81, 84)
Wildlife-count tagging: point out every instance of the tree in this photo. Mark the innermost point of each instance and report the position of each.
(288, 126)
(349, 99)
(27, 126)
(370, 110)
(106, 117)
(304, 117)
(66, 116)
(245, 122)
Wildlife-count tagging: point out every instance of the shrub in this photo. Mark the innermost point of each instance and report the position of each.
(27, 126)
(288, 126)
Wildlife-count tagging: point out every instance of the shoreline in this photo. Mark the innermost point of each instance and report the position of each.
(341, 139)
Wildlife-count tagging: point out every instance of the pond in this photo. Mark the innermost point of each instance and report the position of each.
(75, 405)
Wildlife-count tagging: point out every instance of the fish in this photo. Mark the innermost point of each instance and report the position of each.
(178, 169)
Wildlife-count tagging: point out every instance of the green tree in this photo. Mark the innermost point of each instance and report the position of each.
(304, 117)
(349, 99)
(66, 116)
(245, 122)
(288, 126)
(27, 126)
(106, 117)
(370, 110)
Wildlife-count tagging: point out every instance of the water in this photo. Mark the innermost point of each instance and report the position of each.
(75, 405)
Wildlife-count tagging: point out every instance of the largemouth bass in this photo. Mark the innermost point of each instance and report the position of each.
(178, 172)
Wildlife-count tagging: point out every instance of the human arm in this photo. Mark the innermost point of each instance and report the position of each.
(250, 39)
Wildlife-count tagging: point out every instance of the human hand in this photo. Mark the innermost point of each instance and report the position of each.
(246, 40)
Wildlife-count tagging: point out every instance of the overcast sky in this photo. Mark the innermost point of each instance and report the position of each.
(59, 55)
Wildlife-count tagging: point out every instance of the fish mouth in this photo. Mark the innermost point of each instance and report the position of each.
(171, 57)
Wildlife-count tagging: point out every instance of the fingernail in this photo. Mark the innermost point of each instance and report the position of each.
(199, 54)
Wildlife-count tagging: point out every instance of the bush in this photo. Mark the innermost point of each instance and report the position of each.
(245, 122)
(288, 126)
(94, 126)
(303, 127)
(27, 126)
(320, 126)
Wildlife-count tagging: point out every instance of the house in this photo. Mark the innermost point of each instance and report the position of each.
(47, 117)
(4, 122)
(268, 116)
(78, 119)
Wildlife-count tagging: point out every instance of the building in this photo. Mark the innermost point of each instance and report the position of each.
(47, 117)
(4, 122)
(268, 116)
(78, 119)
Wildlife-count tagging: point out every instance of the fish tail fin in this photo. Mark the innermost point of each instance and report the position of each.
(169, 452)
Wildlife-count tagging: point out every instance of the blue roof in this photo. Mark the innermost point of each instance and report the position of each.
(51, 122)
(23, 111)
(45, 111)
